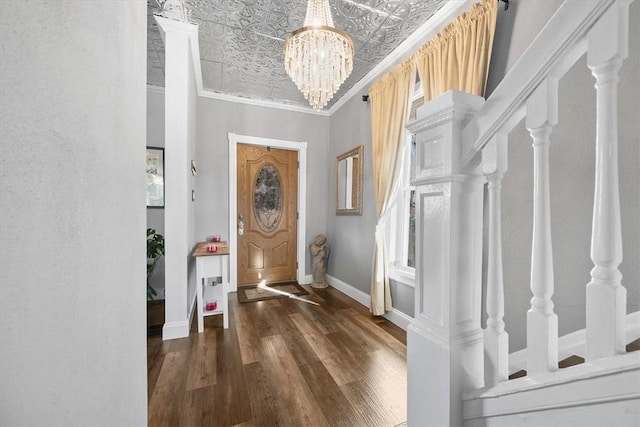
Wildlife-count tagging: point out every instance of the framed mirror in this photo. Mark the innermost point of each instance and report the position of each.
(349, 182)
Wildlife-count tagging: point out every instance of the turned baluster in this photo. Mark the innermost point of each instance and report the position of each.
(606, 297)
(542, 322)
(496, 339)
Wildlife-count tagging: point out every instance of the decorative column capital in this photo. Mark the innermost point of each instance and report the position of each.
(438, 130)
(175, 10)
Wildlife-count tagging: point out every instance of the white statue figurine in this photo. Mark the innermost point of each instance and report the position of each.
(319, 253)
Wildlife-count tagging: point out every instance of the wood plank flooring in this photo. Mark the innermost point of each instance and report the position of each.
(282, 363)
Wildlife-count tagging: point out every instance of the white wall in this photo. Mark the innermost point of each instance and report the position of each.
(72, 213)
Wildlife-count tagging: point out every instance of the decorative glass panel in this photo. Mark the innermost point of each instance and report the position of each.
(267, 198)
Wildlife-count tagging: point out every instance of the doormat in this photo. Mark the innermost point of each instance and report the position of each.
(253, 293)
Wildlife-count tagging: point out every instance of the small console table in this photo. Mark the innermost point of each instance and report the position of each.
(212, 264)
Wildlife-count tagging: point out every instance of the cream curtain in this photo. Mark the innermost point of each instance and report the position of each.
(389, 99)
(458, 57)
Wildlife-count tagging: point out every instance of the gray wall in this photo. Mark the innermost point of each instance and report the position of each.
(216, 118)
(516, 28)
(352, 237)
(72, 298)
(572, 185)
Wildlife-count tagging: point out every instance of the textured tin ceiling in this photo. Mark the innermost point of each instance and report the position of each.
(242, 41)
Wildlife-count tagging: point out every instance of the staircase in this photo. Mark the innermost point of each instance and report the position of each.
(460, 373)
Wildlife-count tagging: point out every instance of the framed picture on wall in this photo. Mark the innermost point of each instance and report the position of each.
(155, 177)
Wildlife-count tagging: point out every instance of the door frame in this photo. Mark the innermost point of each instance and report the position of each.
(301, 148)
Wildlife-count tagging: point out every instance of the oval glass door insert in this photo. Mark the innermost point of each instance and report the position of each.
(267, 199)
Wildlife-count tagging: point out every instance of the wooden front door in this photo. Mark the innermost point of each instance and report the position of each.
(267, 214)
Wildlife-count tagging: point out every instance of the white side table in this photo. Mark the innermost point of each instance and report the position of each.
(212, 264)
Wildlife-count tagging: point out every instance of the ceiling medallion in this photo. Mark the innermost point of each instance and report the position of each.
(318, 57)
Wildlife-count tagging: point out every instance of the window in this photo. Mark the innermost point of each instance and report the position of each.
(402, 227)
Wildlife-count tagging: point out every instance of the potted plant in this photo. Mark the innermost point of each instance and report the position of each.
(155, 250)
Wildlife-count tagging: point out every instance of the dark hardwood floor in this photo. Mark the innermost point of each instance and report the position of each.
(282, 363)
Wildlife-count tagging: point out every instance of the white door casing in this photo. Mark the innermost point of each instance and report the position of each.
(301, 148)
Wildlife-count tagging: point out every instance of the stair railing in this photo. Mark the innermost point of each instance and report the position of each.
(599, 28)
(461, 143)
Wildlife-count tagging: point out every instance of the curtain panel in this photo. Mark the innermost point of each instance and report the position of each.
(389, 109)
(456, 58)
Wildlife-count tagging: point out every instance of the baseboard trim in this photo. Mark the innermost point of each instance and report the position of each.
(349, 290)
(394, 316)
(306, 280)
(173, 330)
(398, 318)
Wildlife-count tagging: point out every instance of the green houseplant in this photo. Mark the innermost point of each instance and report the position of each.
(155, 250)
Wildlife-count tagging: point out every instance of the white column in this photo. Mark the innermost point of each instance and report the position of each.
(542, 322)
(176, 36)
(444, 340)
(496, 339)
(606, 297)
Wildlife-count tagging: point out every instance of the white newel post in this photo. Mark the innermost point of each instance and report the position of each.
(606, 297)
(496, 339)
(542, 322)
(445, 339)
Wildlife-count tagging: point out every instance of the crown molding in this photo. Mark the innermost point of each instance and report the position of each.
(262, 103)
(238, 99)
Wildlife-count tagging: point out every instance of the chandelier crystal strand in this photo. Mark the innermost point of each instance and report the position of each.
(318, 57)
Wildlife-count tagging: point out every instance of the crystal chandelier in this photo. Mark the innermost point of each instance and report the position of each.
(318, 57)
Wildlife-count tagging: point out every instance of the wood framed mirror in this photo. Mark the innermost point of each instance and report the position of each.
(349, 182)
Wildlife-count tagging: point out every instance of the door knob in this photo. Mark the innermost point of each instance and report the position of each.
(240, 224)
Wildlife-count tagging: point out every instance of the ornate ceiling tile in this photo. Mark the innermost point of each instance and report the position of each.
(242, 41)
(238, 86)
(212, 72)
(211, 50)
(210, 31)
